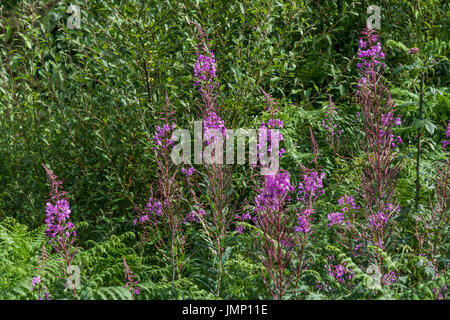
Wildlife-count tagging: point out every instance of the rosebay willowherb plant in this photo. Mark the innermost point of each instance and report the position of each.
(162, 217)
(130, 279)
(218, 184)
(37, 284)
(310, 188)
(276, 232)
(377, 111)
(60, 230)
(276, 228)
(379, 176)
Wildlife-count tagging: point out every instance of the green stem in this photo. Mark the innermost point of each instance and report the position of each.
(419, 134)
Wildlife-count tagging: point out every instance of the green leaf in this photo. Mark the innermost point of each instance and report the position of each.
(226, 254)
(341, 90)
(307, 93)
(8, 33)
(430, 127)
(427, 123)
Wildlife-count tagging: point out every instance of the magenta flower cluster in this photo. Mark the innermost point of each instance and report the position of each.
(304, 221)
(276, 188)
(311, 187)
(386, 135)
(213, 121)
(274, 123)
(328, 122)
(323, 285)
(373, 52)
(205, 69)
(267, 133)
(36, 283)
(276, 241)
(188, 172)
(389, 278)
(161, 137)
(58, 224)
(335, 218)
(346, 204)
(441, 292)
(194, 216)
(340, 272)
(152, 208)
(380, 219)
(331, 127)
(445, 143)
(59, 227)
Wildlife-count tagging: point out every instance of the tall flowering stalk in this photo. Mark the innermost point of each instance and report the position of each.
(419, 145)
(277, 228)
(60, 230)
(36, 281)
(276, 232)
(431, 229)
(130, 279)
(217, 175)
(310, 188)
(379, 176)
(374, 226)
(162, 214)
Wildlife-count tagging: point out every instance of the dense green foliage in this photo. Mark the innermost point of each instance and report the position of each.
(86, 103)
